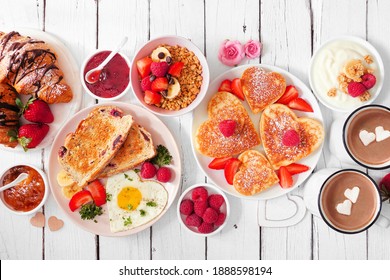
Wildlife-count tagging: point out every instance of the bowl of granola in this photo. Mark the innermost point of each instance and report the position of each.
(169, 76)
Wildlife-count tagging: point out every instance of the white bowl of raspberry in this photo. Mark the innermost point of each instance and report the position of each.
(203, 209)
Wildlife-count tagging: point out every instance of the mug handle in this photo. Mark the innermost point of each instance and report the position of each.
(382, 221)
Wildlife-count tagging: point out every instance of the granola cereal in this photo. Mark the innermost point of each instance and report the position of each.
(332, 92)
(368, 58)
(365, 96)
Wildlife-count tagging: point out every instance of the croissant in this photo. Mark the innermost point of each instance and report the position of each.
(31, 67)
(9, 119)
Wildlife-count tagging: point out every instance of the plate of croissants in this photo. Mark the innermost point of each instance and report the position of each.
(39, 88)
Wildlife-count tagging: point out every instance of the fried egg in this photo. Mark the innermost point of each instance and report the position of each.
(133, 202)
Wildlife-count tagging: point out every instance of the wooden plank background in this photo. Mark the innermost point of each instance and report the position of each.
(290, 31)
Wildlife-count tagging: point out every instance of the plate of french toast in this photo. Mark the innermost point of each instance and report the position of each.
(258, 133)
(39, 88)
(114, 169)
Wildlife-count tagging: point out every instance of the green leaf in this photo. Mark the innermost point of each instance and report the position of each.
(108, 196)
(23, 141)
(19, 103)
(127, 221)
(130, 207)
(142, 212)
(13, 135)
(151, 204)
(163, 156)
(90, 211)
(128, 177)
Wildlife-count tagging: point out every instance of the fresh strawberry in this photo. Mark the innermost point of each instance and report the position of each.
(300, 104)
(285, 178)
(98, 192)
(356, 89)
(384, 188)
(36, 110)
(290, 93)
(296, 168)
(227, 127)
(176, 68)
(152, 97)
(237, 88)
(143, 66)
(368, 80)
(29, 135)
(159, 69)
(79, 199)
(231, 169)
(291, 138)
(146, 84)
(219, 163)
(226, 85)
(160, 84)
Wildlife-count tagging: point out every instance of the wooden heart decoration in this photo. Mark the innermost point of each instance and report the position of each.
(275, 122)
(210, 141)
(54, 223)
(38, 220)
(262, 88)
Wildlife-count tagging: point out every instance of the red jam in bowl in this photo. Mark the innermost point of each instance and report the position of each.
(114, 77)
(29, 193)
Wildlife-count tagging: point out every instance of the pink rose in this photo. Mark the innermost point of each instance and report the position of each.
(231, 52)
(252, 49)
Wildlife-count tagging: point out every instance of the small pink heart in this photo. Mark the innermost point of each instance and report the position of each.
(38, 220)
(55, 224)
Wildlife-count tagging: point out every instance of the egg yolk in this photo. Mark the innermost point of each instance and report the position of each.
(129, 198)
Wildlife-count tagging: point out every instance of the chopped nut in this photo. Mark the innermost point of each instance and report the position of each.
(332, 92)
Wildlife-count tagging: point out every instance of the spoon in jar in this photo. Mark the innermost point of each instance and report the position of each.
(92, 76)
(20, 178)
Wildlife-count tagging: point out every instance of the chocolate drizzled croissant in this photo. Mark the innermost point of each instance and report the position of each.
(9, 119)
(31, 67)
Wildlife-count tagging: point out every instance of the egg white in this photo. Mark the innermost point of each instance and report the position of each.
(151, 192)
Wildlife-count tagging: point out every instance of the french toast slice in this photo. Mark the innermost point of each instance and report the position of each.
(137, 148)
(255, 173)
(262, 88)
(209, 140)
(275, 121)
(97, 139)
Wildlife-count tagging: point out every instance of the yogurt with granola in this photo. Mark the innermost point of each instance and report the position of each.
(344, 74)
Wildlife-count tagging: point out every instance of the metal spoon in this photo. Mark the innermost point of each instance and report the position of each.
(20, 178)
(92, 76)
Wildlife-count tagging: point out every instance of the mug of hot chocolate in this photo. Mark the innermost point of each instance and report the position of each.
(366, 136)
(350, 202)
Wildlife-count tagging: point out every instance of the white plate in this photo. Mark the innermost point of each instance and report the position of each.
(379, 74)
(160, 134)
(200, 116)
(68, 65)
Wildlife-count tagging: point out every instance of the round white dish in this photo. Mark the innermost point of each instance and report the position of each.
(200, 115)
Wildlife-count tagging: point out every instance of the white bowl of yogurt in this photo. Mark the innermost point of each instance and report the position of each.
(328, 63)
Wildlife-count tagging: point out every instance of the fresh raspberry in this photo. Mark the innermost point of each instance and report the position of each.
(199, 193)
(200, 207)
(206, 228)
(227, 127)
(159, 69)
(148, 170)
(356, 89)
(220, 220)
(187, 207)
(210, 215)
(291, 138)
(193, 220)
(164, 174)
(216, 201)
(368, 80)
(146, 84)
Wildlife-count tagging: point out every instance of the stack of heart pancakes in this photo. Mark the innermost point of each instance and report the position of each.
(257, 172)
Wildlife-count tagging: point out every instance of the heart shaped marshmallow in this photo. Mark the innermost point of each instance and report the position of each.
(38, 220)
(352, 194)
(381, 133)
(345, 207)
(366, 137)
(55, 224)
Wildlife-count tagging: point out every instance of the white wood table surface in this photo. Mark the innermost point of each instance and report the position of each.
(289, 29)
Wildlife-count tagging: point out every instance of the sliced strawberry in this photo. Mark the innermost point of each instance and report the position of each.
(219, 163)
(296, 168)
(285, 178)
(98, 192)
(226, 85)
(300, 104)
(237, 88)
(231, 169)
(175, 68)
(143, 66)
(152, 97)
(79, 199)
(160, 84)
(290, 94)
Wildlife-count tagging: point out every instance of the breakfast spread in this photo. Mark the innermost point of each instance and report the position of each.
(170, 77)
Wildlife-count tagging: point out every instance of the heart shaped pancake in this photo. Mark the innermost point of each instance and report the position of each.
(54, 223)
(210, 141)
(262, 88)
(255, 173)
(38, 220)
(275, 121)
